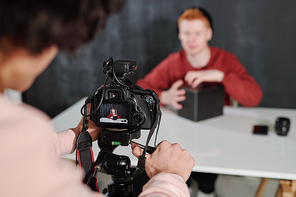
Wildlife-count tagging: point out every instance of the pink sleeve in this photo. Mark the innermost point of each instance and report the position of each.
(166, 184)
(30, 156)
(67, 141)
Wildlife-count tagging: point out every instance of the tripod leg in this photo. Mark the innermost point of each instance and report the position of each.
(140, 178)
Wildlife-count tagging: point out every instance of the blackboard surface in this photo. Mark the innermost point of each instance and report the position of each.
(260, 33)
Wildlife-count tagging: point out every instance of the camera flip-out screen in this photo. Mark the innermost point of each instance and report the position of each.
(114, 113)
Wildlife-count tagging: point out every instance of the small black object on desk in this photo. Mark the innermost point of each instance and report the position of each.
(282, 126)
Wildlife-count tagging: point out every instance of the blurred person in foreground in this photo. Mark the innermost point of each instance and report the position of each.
(31, 33)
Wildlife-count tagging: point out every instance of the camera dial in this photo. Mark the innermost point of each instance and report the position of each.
(138, 119)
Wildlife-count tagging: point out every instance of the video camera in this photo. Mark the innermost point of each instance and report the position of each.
(122, 109)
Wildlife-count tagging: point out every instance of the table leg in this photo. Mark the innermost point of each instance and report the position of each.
(286, 188)
(261, 187)
(279, 192)
(293, 187)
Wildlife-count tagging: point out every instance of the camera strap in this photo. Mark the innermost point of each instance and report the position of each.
(140, 177)
(155, 126)
(84, 155)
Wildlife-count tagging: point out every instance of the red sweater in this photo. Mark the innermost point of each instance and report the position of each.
(237, 82)
(109, 116)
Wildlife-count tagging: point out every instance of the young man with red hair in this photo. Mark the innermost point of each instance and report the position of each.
(198, 62)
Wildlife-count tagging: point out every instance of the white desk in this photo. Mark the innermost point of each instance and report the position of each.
(223, 145)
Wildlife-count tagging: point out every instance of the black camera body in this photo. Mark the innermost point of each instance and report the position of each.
(133, 107)
(123, 109)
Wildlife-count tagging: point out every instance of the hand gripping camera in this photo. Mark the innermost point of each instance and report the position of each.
(122, 109)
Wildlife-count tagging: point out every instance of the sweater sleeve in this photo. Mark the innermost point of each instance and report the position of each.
(240, 85)
(67, 141)
(165, 184)
(159, 79)
(30, 164)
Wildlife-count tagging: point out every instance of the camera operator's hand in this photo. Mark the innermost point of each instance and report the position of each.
(194, 78)
(93, 130)
(168, 158)
(173, 95)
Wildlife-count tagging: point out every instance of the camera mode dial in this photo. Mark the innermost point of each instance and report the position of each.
(138, 119)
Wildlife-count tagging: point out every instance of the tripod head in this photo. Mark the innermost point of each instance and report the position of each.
(118, 166)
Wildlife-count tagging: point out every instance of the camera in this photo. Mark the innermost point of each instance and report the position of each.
(123, 109)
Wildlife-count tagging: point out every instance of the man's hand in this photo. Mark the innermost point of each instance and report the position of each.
(93, 130)
(173, 95)
(194, 78)
(168, 158)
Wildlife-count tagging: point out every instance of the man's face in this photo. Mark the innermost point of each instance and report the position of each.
(194, 36)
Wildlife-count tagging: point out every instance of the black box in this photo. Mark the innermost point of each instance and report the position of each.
(202, 103)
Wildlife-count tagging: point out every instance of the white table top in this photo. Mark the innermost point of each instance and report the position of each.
(223, 144)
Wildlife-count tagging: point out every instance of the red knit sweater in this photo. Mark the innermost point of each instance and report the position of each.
(237, 82)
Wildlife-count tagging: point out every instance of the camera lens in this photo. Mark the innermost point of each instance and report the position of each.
(282, 126)
(138, 119)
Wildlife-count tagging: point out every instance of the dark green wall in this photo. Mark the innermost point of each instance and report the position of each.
(261, 34)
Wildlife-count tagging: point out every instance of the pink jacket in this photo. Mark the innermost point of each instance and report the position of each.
(30, 163)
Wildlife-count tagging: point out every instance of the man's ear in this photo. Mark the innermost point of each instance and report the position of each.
(209, 33)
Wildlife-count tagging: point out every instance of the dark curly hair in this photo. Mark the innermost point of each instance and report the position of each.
(38, 24)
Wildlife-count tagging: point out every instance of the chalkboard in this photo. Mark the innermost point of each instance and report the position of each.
(260, 33)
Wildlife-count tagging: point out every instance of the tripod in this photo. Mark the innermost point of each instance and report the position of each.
(118, 166)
